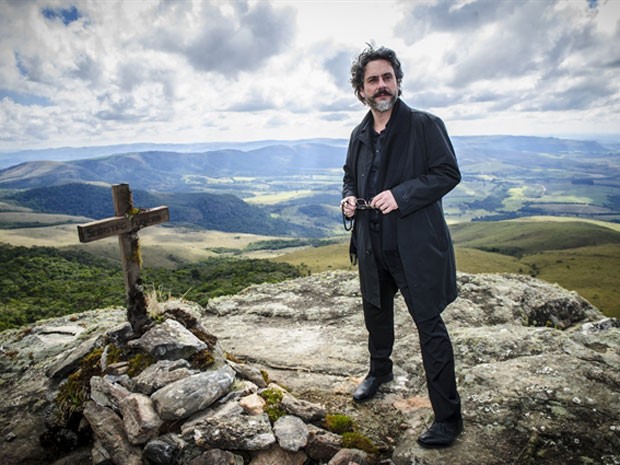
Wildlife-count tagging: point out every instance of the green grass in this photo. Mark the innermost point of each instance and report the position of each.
(46, 282)
(520, 238)
(581, 256)
(591, 271)
(319, 259)
(479, 261)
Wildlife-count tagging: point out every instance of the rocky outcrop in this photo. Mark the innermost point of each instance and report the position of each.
(538, 371)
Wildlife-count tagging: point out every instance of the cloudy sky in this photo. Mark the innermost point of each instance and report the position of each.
(76, 73)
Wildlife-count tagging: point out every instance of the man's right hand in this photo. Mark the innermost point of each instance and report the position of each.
(348, 206)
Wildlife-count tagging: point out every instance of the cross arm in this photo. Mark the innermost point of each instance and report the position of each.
(114, 226)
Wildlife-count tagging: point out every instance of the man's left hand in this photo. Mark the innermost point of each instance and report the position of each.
(385, 202)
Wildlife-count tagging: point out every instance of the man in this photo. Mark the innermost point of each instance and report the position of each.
(400, 163)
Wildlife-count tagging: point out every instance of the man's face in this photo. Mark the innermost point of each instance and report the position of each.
(380, 88)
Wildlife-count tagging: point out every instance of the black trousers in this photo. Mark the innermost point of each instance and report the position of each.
(435, 344)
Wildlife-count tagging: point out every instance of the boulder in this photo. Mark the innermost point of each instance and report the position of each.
(187, 396)
(169, 340)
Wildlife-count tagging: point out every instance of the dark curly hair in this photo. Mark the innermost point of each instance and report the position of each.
(371, 54)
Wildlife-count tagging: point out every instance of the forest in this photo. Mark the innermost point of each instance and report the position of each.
(45, 282)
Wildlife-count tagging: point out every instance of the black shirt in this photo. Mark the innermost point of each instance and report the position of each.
(378, 142)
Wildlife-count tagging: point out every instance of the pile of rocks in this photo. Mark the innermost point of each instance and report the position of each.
(173, 413)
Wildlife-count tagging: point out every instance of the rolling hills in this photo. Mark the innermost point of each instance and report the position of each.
(504, 177)
(580, 256)
(222, 212)
(224, 198)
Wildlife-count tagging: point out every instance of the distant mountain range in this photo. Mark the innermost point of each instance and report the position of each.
(8, 159)
(176, 171)
(295, 185)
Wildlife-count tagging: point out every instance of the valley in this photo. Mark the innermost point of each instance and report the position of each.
(579, 255)
(298, 183)
(544, 207)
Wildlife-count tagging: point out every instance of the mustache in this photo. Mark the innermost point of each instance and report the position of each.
(383, 92)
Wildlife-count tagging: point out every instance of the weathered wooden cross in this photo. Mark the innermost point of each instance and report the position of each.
(126, 224)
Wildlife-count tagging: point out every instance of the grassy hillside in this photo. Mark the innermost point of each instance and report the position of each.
(44, 282)
(223, 212)
(579, 255)
(520, 238)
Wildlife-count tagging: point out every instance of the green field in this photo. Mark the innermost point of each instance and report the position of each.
(581, 256)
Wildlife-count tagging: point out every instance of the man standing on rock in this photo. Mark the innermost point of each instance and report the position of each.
(400, 163)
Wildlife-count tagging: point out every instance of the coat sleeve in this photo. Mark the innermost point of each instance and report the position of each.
(349, 181)
(439, 170)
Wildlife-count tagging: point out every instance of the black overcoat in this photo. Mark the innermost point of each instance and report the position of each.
(419, 167)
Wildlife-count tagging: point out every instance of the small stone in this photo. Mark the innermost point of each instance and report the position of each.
(292, 433)
(140, 419)
(163, 450)
(252, 404)
(350, 456)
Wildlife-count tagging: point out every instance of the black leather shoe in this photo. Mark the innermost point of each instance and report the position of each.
(369, 387)
(441, 434)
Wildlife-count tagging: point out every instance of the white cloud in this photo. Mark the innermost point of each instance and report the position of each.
(92, 72)
(531, 58)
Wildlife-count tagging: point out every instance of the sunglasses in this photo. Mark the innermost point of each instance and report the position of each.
(360, 204)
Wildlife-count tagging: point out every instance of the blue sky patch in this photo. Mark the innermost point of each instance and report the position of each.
(25, 99)
(67, 15)
(21, 66)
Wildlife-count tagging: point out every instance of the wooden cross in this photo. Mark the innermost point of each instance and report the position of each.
(126, 224)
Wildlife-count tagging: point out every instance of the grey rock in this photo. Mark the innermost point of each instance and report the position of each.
(235, 432)
(162, 373)
(322, 445)
(291, 433)
(69, 362)
(351, 456)
(117, 369)
(540, 392)
(187, 396)
(513, 377)
(108, 429)
(99, 455)
(238, 390)
(169, 340)
(492, 299)
(120, 334)
(189, 314)
(276, 455)
(604, 324)
(124, 380)
(225, 410)
(163, 450)
(217, 457)
(249, 372)
(106, 393)
(139, 418)
(307, 411)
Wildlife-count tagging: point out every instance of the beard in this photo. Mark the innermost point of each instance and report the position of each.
(383, 105)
